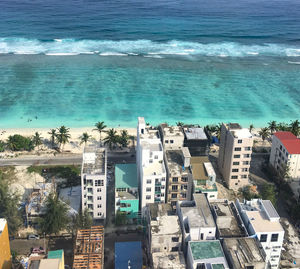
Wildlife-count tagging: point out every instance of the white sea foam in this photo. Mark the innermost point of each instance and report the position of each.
(62, 54)
(143, 47)
(290, 62)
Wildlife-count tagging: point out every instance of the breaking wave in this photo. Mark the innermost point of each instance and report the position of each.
(62, 47)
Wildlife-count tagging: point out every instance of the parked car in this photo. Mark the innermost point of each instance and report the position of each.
(33, 237)
(39, 250)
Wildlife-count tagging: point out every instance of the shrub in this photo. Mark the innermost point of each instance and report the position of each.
(18, 142)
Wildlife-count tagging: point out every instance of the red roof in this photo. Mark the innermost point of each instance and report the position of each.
(289, 141)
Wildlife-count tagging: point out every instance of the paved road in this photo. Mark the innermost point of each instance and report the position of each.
(115, 157)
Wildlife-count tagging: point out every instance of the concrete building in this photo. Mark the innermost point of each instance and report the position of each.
(262, 221)
(179, 176)
(206, 255)
(204, 177)
(126, 190)
(150, 165)
(93, 181)
(57, 255)
(196, 220)
(172, 137)
(174, 260)
(244, 253)
(197, 141)
(164, 233)
(285, 151)
(5, 257)
(235, 155)
(228, 220)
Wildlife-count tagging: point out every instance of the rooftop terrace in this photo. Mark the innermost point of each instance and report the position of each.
(171, 130)
(126, 176)
(94, 161)
(203, 250)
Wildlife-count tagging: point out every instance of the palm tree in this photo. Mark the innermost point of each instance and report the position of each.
(251, 127)
(52, 134)
(100, 126)
(11, 143)
(37, 140)
(84, 138)
(123, 139)
(180, 124)
(111, 139)
(264, 133)
(63, 135)
(295, 127)
(272, 126)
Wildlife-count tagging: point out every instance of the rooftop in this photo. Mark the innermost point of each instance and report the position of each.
(243, 251)
(204, 188)
(175, 162)
(128, 251)
(49, 264)
(156, 168)
(171, 130)
(2, 225)
(195, 133)
(72, 195)
(126, 176)
(93, 162)
(228, 220)
(203, 250)
(163, 221)
(198, 169)
(56, 254)
(127, 195)
(168, 260)
(290, 142)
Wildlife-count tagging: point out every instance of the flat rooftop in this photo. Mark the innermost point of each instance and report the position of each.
(155, 146)
(150, 133)
(228, 221)
(243, 251)
(168, 260)
(156, 168)
(126, 176)
(128, 251)
(72, 195)
(125, 195)
(198, 168)
(163, 221)
(93, 162)
(175, 162)
(204, 250)
(172, 131)
(49, 264)
(195, 133)
(205, 188)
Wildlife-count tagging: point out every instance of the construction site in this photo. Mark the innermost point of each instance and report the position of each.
(89, 248)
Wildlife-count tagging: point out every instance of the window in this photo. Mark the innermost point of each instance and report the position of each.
(167, 141)
(246, 155)
(148, 189)
(174, 187)
(247, 148)
(150, 161)
(148, 197)
(162, 195)
(274, 238)
(90, 190)
(235, 170)
(174, 249)
(90, 206)
(263, 238)
(90, 198)
(240, 141)
(99, 183)
(175, 179)
(99, 206)
(157, 189)
(175, 239)
(163, 179)
(283, 150)
(184, 179)
(99, 214)
(237, 149)
(244, 169)
(171, 141)
(244, 176)
(236, 184)
(237, 156)
(184, 187)
(174, 195)
(148, 181)
(234, 177)
(236, 163)
(245, 162)
(280, 147)
(99, 198)
(162, 187)
(98, 189)
(183, 195)
(156, 157)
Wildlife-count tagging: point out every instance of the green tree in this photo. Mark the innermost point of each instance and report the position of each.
(124, 139)
(268, 192)
(56, 215)
(9, 203)
(264, 133)
(52, 134)
(18, 142)
(295, 127)
(2, 146)
(272, 125)
(251, 127)
(84, 138)
(282, 126)
(63, 135)
(100, 126)
(121, 218)
(180, 124)
(37, 140)
(111, 139)
(82, 220)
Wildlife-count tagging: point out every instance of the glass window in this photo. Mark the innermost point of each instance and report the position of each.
(171, 141)
(175, 179)
(274, 238)
(234, 177)
(263, 238)
(237, 149)
(148, 181)
(174, 195)
(148, 197)
(166, 141)
(235, 170)
(148, 189)
(248, 148)
(240, 141)
(99, 198)
(237, 156)
(174, 187)
(236, 163)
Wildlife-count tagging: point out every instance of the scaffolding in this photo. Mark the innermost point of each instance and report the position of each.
(89, 248)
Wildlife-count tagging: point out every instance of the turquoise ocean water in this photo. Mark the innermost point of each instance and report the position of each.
(79, 62)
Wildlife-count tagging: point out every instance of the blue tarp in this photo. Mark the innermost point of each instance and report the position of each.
(215, 140)
(128, 253)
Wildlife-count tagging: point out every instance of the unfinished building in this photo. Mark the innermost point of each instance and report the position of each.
(89, 248)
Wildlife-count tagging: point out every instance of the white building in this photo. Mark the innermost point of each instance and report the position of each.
(206, 255)
(262, 221)
(196, 219)
(235, 155)
(150, 165)
(285, 151)
(172, 137)
(93, 181)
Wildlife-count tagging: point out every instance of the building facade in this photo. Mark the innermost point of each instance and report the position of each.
(5, 256)
(94, 181)
(172, 137)
(150, 165)
(262, 221)
(197, 141)
(126, 191)
(235, 155)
